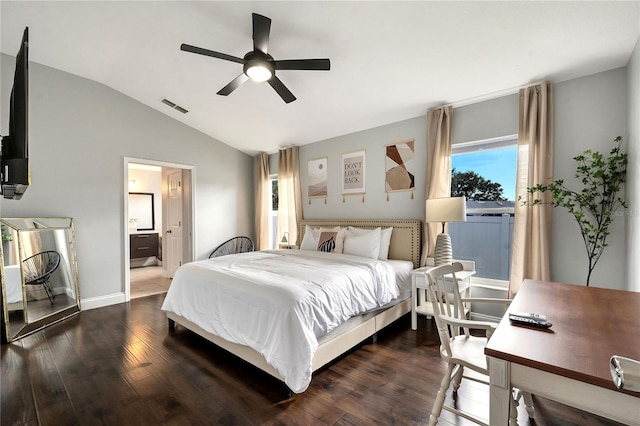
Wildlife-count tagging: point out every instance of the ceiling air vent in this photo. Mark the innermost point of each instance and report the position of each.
(174, 106)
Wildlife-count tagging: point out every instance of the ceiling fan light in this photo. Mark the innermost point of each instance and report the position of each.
(259, 73)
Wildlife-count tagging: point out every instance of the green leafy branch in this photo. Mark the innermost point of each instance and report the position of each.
(594, 207)
(6, 237)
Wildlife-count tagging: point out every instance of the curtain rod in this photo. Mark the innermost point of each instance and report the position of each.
(489, 96)
(471, 101)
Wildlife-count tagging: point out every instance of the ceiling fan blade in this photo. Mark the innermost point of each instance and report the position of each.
(233, 85)
(282, 90)
(261, 29)
(206, 52)
(303, 64)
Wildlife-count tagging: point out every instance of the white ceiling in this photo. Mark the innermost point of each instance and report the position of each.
(389, 60)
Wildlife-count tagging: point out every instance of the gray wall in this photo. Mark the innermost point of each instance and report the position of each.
(375, 206)
(80, 131)
(633, 172)
(485, 120)
(589, 113)
(497, 117)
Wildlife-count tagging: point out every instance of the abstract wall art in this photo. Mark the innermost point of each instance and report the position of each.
(399, 166)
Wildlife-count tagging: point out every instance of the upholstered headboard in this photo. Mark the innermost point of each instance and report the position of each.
(406, 238)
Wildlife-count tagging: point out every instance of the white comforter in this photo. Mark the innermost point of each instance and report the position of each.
(278, 302)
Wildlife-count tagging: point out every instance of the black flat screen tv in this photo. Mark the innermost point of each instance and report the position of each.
(14, 160)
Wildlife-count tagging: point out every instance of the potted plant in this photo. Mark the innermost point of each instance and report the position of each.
(596, 204)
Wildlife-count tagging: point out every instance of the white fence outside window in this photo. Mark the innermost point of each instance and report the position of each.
(485, 240)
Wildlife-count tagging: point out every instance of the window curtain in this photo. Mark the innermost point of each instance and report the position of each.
(263, 201)
(531, 250)
(438, 176)
(289, 194)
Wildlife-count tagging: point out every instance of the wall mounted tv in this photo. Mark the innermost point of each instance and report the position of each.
(14, 159)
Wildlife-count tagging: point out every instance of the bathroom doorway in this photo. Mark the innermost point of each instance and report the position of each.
(152, 231)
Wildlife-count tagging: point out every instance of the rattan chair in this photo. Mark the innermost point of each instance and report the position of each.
(38, 269)
(232, 246)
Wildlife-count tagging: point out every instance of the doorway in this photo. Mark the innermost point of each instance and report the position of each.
(158, 217)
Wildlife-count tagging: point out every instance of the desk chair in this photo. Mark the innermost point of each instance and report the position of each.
(458, 347)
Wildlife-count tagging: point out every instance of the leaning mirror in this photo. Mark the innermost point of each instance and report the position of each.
(39, 274)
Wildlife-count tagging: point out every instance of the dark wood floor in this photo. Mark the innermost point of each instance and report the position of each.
(120, 366)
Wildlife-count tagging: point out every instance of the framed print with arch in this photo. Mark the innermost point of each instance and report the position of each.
(317, 178)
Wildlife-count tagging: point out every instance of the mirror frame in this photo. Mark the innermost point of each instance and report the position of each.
(10, 334)
(142, 205)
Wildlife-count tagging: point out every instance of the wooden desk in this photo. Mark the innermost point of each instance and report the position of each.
(569, 362)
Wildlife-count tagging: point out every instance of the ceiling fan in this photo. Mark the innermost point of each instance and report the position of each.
(258, 65)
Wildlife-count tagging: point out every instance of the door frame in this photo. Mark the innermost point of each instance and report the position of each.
(188, 199)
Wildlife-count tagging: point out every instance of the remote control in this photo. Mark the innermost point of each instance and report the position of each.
(526, 320)
(531, 315)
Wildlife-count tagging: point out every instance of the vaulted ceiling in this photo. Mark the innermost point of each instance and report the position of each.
(389, 60)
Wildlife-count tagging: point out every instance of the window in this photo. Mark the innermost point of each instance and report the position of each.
(273, 214)
(485, 172)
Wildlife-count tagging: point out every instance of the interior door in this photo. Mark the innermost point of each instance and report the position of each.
(174, 221)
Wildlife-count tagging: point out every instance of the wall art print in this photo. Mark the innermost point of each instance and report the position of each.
(353, 173)
(317, 178)
(399, 166)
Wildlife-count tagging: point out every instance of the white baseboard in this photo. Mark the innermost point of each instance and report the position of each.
(102, 301)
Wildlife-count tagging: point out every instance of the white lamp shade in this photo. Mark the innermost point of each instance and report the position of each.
(446, 209)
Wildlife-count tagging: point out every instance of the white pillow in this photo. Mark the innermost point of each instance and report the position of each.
(309, 240)
(385, 239)
(364, 245)
(359, 231)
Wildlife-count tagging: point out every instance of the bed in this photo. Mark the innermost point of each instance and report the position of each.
(213, 297)
(13, 287)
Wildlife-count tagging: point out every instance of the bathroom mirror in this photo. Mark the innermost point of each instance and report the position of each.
(39, 274)
(141, 214)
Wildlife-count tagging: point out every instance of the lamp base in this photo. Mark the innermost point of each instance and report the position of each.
(442, 255)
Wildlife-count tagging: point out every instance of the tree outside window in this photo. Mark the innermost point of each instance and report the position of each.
(471, 185)
(274, 195)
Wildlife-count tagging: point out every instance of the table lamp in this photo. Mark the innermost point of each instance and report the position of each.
(447, 209)
(285, 240)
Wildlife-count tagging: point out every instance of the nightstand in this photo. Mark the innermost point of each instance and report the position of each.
(420, 303)
(288, 247)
